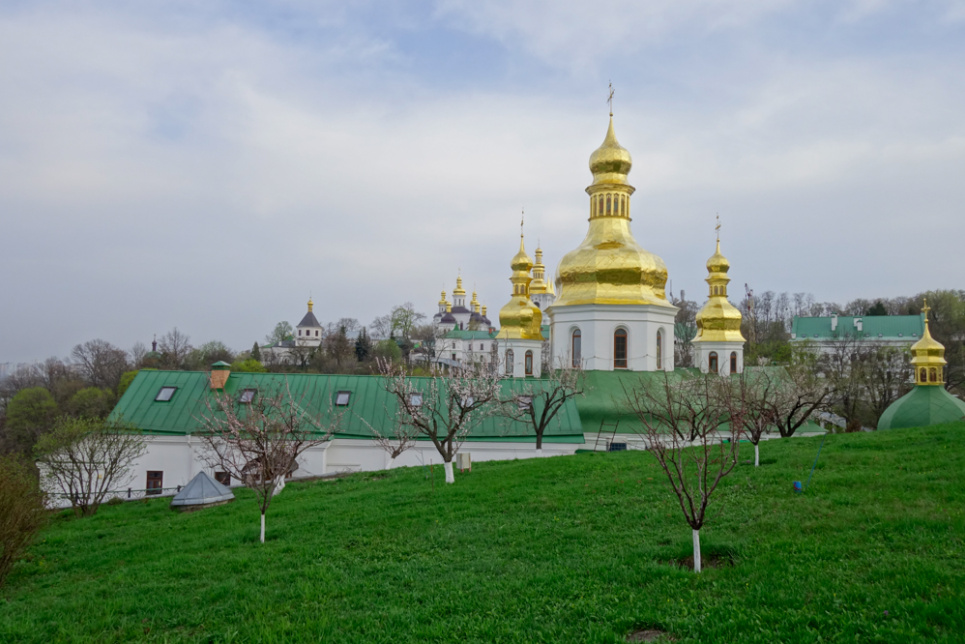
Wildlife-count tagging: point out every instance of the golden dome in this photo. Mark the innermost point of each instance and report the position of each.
(611, 162)
(610, 267)
(310, 304)
(718, 320)
(928, 356)
(538, 285)
(520, 318)
(442, 301)
(459, 290)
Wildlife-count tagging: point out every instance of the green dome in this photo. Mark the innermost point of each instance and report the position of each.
(922, 406)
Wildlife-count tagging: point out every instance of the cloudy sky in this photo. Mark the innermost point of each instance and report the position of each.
(210, 164)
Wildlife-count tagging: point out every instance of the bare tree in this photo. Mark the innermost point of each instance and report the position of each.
(683, 427)
(537, 402)
(175, 347)
(85, 458)
(444, 409)
(101, 363)
(746, 399)
(258, 440)
(797, 394)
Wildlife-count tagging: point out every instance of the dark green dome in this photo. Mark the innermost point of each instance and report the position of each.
(924, 405)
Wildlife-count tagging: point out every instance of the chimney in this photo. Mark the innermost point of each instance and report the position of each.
(834, 322)
(219, 374)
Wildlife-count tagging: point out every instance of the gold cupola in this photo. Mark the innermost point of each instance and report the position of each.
(459, 290)
(928, 356)
(310, 304)
(474, 304)
(539, 284)
(520, 318)
(443, 301)
(610, 267)
(718, 320)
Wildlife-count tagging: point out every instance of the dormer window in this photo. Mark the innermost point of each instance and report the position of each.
(415, 400)
(342, 398)
(165, 394)
(525, 403)
(247, 396)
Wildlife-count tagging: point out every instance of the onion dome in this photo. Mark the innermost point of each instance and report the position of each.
(928, 357)
(442, 301)
(538, 285)
(610, 267)
(718, 320)
(459, 290)
(520, 318)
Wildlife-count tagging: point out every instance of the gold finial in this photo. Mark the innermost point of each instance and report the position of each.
(310, 304)
(717, 228)
(522, 216)
(925, 309)
(609, 99)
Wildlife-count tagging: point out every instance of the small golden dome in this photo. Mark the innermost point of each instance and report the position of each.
(442, 300)
(611, 162)
(717, 262)
(310, 304)
(928, 356)
(459, 290)
(718, 320)
(520, 318)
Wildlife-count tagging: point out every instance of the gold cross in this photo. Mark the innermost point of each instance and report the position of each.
(521, 217)
(925, 308)
(609, 99)
(717, 227)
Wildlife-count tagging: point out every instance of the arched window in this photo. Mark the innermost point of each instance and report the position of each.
(529, 363)
(609, 203)
(576, 348)
(659, 349)
(599, 208)
(712, 366)
(620, 349)
(933, 375)
(733, 362)
(509, 362)
(923, 375)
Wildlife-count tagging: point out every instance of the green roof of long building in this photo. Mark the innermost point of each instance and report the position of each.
(370, 406)
(882, 327)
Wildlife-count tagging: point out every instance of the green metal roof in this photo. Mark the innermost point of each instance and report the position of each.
(922, 406)
(886, 327)
(463, 334)
(369, 403)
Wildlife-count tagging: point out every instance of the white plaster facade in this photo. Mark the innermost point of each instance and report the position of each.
(729, 357)
(513, 356)
(598, 324)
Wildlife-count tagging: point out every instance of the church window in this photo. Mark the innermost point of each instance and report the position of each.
(316, 333)
(529, 363)
(733, 362)
(608, 204)
(165, 394)
(509, 362)
(155, 482)
(659, 349)
(623, 201)
(576, 348)
(712, 362)
(599, 209)
(620, 349)
(299, 332)
(342, 398)
(923, 375)
(933, 375)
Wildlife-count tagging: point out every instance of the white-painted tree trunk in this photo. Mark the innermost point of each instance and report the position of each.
(391, 463)
(450, 478)
(696, 550)
(539, 453)
(263, 527)
(278, 486)
(757, 454)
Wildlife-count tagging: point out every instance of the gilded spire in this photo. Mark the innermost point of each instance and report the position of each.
(928, 356)
(520, 318)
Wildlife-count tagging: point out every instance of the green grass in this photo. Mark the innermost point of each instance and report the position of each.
(573, 549)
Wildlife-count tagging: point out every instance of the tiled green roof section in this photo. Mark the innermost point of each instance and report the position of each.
(462, 334)
(370, 405)
(886, 327)
(922, 406)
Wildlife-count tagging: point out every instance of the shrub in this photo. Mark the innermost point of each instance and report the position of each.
(22, 510)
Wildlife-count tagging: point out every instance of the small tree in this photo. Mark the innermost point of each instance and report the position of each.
(259, 440)
(746, 399)
(443, 409)
(22, 510)
(537, 402)
(797, 394)
(85, 458)
(683, 427)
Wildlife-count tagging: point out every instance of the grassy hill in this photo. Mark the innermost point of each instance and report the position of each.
(573, 549)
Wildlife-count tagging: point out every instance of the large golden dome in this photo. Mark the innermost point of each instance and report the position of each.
(610, 267)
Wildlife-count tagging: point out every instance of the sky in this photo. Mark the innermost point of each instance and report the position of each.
(210, 165)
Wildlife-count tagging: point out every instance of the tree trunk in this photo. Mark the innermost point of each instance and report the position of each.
(263, 527)
(391, 463)
(539, 452)
(757, 454)
(450, 478)
(696, 550)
